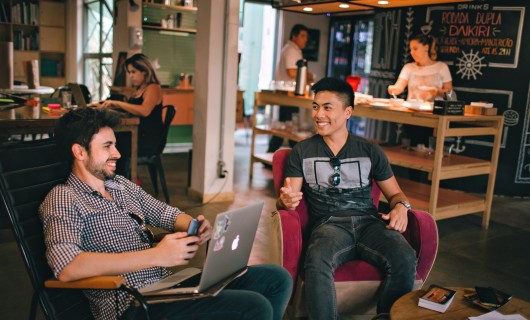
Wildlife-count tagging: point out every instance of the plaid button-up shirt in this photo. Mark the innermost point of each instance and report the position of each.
(77, 219)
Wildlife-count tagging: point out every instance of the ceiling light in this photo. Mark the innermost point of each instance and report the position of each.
(331, 7)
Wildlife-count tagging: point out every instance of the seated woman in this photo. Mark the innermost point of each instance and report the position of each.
(146, 103)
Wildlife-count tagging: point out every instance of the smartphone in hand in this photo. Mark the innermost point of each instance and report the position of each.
(193, 228)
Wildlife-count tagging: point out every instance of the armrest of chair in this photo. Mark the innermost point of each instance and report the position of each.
(102, 282)
(422, 234)
(292, 241)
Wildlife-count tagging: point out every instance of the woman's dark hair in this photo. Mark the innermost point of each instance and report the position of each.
(427, 40)
(142, 63)
(79, 126)
(338, 86)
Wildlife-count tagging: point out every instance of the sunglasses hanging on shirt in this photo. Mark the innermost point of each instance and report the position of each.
(334, 179)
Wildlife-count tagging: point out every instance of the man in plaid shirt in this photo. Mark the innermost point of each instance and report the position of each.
(95, 224)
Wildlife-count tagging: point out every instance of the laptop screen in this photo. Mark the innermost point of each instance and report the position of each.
(77, 93)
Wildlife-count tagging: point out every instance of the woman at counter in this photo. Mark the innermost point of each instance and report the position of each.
(145, 102)
(426, 78)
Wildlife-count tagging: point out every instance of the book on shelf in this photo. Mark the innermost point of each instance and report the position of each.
(3, 13)
(437, 298)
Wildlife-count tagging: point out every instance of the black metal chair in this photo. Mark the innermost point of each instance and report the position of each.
(154, 162)
(28, 171)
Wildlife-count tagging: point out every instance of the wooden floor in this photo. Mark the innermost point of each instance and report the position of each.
(468, 256)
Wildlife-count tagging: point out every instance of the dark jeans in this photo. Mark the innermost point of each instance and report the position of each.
(262, 293)
(342, 239)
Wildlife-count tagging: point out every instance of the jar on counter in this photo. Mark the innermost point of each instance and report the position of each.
(171, 21)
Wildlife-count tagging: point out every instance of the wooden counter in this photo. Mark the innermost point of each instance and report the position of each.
(183, 100)
(441, 203)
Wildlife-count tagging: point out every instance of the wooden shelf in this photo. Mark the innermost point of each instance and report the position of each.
(172, 7)
(49, 33)
(452, 166)
(439, 202)
(287, 134)
(451, 203)
(169, 29)
(263, 158)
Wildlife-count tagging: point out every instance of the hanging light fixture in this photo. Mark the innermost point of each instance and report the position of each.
(338, 6)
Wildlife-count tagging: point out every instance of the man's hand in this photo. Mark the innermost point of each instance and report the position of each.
(398, 218)
(176, 249)
(205, 230)
(289, 199)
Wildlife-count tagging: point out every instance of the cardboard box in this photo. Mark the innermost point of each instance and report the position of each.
(481, 111)
(453, 108)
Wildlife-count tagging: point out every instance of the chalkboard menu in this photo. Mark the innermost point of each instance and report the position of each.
(476, 35)
(483, 43)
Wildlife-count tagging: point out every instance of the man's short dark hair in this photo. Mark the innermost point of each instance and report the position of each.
(79, 126)
(296, 29)
(340, 87)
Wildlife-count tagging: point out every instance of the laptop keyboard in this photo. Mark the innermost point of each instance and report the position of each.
(190, 282)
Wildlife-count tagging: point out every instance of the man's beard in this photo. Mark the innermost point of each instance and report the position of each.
(100, 172)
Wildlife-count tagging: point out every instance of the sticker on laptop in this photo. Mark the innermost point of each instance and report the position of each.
(219, 244)
(220, 228)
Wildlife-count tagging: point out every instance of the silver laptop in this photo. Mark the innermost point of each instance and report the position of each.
(78, 95)
(228, 252)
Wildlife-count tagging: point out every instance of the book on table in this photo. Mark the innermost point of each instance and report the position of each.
(437, 298)
(488, 299)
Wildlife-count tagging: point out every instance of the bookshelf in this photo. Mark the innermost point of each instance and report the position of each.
(170, 35)
(37, 30)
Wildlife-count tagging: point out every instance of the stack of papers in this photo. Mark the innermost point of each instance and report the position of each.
(482, 104)
(495, 315)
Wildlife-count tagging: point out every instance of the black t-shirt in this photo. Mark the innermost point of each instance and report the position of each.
(360, 162)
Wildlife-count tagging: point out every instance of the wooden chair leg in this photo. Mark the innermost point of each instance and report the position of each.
(160, 168)
(151, 166)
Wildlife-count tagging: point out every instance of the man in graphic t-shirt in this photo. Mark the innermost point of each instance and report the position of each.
(334, 171)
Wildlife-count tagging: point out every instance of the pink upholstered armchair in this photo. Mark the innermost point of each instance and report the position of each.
(356, 282)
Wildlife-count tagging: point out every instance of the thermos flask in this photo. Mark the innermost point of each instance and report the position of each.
(301, 77)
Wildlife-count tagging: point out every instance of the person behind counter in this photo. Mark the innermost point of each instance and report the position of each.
(146, 103)
(286, 72)
(426, 78)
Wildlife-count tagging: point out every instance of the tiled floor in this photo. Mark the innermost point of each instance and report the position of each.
(468, 255)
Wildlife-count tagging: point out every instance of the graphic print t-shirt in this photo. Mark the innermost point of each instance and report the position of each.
(361, 161)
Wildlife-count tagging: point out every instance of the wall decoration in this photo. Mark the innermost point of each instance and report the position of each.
(310, 51)
(481, 42)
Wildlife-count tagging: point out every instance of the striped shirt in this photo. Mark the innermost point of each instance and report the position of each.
(77, 219)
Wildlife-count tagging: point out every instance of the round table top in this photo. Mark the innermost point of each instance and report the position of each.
(23, 89)
(406, 308)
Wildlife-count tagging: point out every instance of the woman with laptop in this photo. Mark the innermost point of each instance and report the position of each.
(145, 102)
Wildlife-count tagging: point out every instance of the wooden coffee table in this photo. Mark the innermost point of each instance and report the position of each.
(406, 308)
